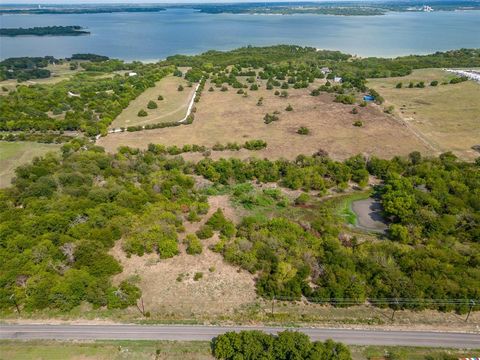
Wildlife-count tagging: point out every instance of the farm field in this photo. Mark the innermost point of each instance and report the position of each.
(442, 114)
(172, 108)
(14, 154)
(225, 116)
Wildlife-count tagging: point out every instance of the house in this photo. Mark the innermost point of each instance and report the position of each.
(337, 79)
(132, 74)
(325, 70)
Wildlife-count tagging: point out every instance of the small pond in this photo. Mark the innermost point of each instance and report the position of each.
(369, 215)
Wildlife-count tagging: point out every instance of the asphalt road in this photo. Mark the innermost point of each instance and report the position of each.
(187, 332)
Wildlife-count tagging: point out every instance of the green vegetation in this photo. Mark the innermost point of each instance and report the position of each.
(303, 130)
(26, 68)
(89, 103)
(194, 246)
(152, 105)
(286, 345)
(74, 30)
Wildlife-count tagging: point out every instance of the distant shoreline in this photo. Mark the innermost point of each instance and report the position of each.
(45, 31)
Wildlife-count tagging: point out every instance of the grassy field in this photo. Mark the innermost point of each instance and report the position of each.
(445, 116)
(227, 116)
(104, 350)
(184, 350)
(172, 108)
(14, 154)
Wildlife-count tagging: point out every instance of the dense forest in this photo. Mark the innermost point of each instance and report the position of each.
(25, 68)
(74, 30)
(64, 213)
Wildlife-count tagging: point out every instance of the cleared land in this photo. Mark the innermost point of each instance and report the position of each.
(446, 116)
(169, 288)
(173, 107)
(229, 117)
(14, 154)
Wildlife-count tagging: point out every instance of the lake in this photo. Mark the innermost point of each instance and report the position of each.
(153, 36)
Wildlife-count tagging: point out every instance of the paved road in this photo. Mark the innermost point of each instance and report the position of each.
(180, 332)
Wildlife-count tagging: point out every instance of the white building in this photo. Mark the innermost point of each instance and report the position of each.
(132, 74)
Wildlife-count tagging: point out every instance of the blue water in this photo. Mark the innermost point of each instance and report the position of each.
(153, 36)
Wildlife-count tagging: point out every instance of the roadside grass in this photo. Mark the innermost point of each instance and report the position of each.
(173, 107)
(409, 353)
(14, 154)
(104, 350)
(186, 350)
(442, 114)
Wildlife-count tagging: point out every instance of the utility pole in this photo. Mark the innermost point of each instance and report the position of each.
(472, 304)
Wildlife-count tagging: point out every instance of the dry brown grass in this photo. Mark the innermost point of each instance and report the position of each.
(222, 289)
(172, 108)
(446, 116)
(227, 117)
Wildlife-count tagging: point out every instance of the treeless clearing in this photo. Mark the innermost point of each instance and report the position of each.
(173, 107)
(168, 286)
(447, 116)
(14, 154)
(229, 117)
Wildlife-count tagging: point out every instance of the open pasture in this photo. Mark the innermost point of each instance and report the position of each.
(446, 116)
(14, 154)
(173, 107)
(225, 116)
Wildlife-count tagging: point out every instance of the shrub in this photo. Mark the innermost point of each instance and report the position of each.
(284, 94)
(211, 89)
(302, 199)
(303, 131)
(142, 113)
(197, 276)
(152, 105)
(399, 85)
(389, 109)
(434, 83)
(260, 101)
(276, 92)
(268, 118)
(180, 88)
(218, 222)
(289, 108)
(205, 232)
(345, 99)
(254, 87)
(358, 123)
(421, 84)
(160, 97)
(354, 111)
(255, 145)
(240, 91)
(194, 246)
(315, 92)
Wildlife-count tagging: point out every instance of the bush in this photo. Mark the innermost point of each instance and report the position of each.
(302, 199)
(180, 88)
(160, 97)
(399, 85)
(268, 118)
(224, 88)
(142, 113)
(240, 91)
(345, 99)
(354, 111)
(255, 145)
(389, 109)
(198, 276)
(152, 105)
(194, 246)
(289, 108)
(303, 131)
(434, 83)
(205, 232)
(254, 87)
(358, 123)
(284, 94)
